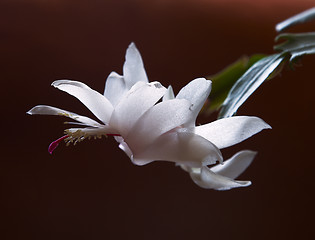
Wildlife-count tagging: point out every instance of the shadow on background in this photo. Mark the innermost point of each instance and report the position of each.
(92, 190)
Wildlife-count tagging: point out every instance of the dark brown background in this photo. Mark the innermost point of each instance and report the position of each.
(93, 191)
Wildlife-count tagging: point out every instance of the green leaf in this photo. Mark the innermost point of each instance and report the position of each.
(302, 17)
(297, 44)
(249, 82)
(223, 81)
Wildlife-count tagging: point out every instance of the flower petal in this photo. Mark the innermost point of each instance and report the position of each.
(197, 91)
(210, 180)
(159, 119)
(115, 88)
(124, 146)
(94, 101)
(133, 68)
(180, 147)
(48, 110)
(169, 94)
(226, 132)
(136, 102)
(236, 165)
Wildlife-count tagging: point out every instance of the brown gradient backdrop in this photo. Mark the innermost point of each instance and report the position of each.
(93, 191)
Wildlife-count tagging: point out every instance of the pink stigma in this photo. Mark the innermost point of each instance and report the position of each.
(55, 144)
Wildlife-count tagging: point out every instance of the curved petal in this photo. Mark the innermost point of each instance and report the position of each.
(48, 110)
(136, 102)
(179, 147)
(123, 146)
(210, 180)
(133, 68)
(94, 101)
(236, 165)
(159, 119)
(115, 88)
(226, 132)
(197, 91)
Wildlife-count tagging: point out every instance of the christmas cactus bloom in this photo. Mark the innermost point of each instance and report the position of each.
(222, 133)
(148, 129)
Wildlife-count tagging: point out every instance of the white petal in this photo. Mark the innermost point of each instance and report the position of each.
(115, 88)
(159, 119)
(180, 147)
(94, 101)
(119, 139)
(210, 180)
(124, 146)
(197, 91)
(48, 110)
(188, 169)
(136, 102)
(226, 132)
(169, 94)
(133, 67)
(236, 165)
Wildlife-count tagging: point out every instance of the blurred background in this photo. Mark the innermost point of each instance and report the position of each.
(92, 190)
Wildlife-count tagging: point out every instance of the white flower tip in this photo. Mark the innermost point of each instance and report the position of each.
(258, 124)
(29, 112)
(59, 83)
(34, 110)
(250, 153)
(247, 183)
(204, 81)
(169, 94)
(170, 88)
(56, 83)
(114, 74)
(263, 124)
(132, 45)
(237, 185)
(131, 50)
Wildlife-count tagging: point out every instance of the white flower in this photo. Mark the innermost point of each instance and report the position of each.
(133, 85)
(221, 133)
(148, 130)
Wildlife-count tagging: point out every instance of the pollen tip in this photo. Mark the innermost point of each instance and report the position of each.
(55, 144)
(52, 147)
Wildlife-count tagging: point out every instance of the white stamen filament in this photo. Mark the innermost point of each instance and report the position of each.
(76, 135)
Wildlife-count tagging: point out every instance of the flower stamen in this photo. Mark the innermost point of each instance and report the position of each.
(78, 135)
